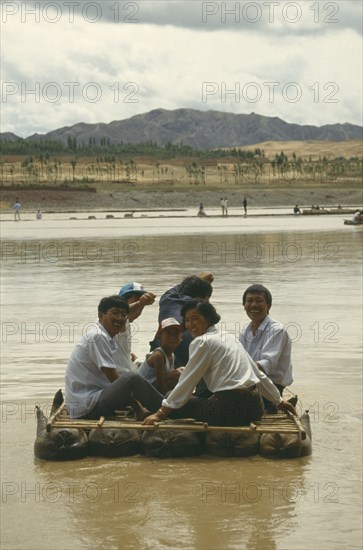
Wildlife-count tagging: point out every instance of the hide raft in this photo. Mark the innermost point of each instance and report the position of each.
(61, 438)
(59, 443)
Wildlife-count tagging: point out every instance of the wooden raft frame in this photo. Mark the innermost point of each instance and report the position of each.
(270, 423)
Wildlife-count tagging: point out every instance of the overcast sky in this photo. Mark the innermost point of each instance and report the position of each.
(66, 62)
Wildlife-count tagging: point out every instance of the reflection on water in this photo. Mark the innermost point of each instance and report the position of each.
(180, 502)
(50, 291)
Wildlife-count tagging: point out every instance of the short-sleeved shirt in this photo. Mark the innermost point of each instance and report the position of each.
(84, 380)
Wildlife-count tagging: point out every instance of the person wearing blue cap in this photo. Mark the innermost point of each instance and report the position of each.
(137, 298)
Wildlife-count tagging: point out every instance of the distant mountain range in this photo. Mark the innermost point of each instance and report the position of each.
(199, 129)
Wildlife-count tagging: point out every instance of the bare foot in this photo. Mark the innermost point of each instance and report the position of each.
(140, 412)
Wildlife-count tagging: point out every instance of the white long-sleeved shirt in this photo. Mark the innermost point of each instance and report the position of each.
(224, 365)
(270, 347)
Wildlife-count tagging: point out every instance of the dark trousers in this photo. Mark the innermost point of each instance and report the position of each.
(224, 408)
(270, 407)
(130, 385)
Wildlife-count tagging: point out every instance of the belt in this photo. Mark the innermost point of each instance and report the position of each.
(245, 390)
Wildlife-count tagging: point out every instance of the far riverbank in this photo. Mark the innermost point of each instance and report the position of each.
(88, 199)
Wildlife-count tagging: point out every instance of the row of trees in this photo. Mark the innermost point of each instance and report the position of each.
(41, 170)
(92, 148)
(256, 168)
(72, 147)
(257, 171)
(281, 167)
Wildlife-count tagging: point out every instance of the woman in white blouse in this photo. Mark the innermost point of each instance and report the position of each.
(229, 372)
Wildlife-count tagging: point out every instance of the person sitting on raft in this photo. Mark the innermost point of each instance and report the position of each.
(266, 340)
(171, 302)
(158, 367)
(93, 385)
(137, 298)
(228, 371)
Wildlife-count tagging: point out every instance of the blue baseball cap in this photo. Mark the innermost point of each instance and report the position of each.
(131, 288)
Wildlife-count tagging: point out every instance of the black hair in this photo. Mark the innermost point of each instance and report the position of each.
(112, 301)
(195, 287)
(257, 289)
(204, 308)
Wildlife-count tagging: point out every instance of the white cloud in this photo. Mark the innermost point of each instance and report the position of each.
(288, 70)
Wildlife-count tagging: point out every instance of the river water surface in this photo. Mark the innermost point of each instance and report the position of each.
(54, 273)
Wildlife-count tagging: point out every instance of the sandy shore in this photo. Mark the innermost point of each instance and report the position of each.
(58, 200)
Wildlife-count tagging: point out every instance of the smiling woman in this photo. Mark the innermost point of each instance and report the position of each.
(197, 321)
(229, 374)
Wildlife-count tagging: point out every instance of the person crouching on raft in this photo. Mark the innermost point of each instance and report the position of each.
(229, 372)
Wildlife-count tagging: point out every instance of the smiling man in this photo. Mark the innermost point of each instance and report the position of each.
(265, 339)
(93, 386)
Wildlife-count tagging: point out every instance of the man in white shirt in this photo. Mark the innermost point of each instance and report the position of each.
(93, 385)
(265, 339)
(137, 298)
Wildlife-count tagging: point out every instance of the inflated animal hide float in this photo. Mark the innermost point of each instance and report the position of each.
(62, 438)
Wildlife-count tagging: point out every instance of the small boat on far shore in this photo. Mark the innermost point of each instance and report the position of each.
(322, 211)
(352, 222)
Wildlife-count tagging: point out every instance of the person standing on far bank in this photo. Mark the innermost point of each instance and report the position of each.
(225, 206)
(244, 202)
(17, 208)
(222, 206)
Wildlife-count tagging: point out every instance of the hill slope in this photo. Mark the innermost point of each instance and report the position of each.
(201, 130)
